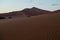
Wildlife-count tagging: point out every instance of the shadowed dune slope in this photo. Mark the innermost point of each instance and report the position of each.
(44, 27)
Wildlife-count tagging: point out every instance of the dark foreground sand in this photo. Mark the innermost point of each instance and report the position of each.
(44, 27)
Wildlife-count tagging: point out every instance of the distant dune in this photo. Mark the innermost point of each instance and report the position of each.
(27, 12)
(42, 27)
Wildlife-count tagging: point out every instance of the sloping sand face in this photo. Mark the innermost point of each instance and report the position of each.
(45, 27)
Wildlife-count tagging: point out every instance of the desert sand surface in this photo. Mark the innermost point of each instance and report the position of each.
(43, 27)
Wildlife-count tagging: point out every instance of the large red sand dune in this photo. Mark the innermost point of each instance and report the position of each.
(44, 27)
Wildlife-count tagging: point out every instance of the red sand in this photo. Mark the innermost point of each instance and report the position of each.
(34, 28)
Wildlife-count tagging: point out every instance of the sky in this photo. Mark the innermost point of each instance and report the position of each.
(15, 5)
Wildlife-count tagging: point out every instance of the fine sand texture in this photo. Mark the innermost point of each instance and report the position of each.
(43, 27)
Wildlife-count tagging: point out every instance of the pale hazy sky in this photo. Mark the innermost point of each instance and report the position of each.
(13, 5)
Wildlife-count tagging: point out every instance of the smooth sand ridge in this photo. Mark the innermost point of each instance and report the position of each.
(45, 27)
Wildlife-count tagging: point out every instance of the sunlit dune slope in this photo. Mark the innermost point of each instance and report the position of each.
(44, 27)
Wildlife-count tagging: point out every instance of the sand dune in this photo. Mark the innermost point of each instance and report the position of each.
(44, 27)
